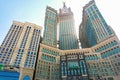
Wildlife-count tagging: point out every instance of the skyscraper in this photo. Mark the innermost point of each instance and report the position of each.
(95, 34)
(67, 34)
(93, 28)
(48, 59)
(20, 46)
(50, 31)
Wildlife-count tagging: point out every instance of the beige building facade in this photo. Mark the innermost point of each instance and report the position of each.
(20, 47)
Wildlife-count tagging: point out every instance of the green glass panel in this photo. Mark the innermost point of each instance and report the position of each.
(1, 67)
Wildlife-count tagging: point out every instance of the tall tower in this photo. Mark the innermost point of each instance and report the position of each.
(50, 30)
(47, 64)
(20, 46)
(67, 34)
(93, 28)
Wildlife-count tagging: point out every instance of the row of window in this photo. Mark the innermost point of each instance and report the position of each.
(48, 58)
(110, 52)
(106, 46)
(100, 68)
(5, 50)
(51, 14)
(91, 57)
(50, 52)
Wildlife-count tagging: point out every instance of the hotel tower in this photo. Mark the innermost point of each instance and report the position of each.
(19, 49)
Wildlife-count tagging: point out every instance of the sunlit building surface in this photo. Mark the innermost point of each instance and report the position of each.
(103, 61)
(50, 25)
(23, 54)
(94, 28)
(47, 63)
(67, 34)
(20, 46)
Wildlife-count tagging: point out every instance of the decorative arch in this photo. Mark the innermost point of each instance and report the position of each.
(26, 77)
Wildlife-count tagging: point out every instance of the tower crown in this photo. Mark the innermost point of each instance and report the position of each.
(65, 10)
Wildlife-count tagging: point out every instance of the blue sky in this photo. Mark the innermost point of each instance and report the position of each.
(22, 10)
(34, 11)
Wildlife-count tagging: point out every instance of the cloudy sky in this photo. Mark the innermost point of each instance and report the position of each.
(34, 11)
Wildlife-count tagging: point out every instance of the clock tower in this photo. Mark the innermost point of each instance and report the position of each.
(65, 10)
(67, 33)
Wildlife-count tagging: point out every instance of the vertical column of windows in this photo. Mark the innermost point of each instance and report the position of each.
(31, 47)
(24, 40)
(96, 24)
(11, 36)
(63, 69)
(68, 38)
(10, 43)
(7, 36)
(15, 38)
(100, 22)
(91, 16)
(103, 21)
(32, 52)
(22, 47)
(90, 34)
(61, 31)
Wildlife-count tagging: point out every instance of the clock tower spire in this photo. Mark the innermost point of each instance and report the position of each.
(64, 4)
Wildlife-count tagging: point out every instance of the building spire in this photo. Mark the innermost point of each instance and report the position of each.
(64, 4)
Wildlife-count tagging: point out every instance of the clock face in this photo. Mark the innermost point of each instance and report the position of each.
(64, 10)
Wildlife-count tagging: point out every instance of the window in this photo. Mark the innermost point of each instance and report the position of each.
(22, 50)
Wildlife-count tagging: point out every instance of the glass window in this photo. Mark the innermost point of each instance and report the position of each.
(22, 50)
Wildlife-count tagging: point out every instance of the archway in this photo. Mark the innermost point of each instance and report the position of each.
(26, 77)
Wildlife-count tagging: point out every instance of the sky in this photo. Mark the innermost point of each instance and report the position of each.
(34, 11)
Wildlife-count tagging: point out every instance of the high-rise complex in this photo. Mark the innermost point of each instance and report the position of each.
(67, 34)
(23, 54)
